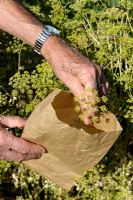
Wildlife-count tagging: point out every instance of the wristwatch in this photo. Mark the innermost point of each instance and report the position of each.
(43, 36)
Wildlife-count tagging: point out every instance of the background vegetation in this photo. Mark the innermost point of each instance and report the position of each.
(103, 31)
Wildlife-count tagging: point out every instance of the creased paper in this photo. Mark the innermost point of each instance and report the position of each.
(73, 147)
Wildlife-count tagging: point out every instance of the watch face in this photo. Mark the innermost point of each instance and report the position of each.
(52, 30)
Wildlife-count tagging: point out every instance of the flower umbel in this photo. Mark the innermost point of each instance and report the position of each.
(90, 102)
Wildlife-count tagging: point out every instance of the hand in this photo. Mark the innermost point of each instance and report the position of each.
(74, 70)
(15, 148)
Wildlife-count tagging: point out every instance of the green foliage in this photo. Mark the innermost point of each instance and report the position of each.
(28, 89)
(103, 31)
(97, 186)
(3, 99)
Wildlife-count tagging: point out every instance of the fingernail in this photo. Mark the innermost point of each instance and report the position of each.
(38, 156)
(87, 121)
(43, 150)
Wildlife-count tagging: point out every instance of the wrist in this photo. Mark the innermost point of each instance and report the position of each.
(51, 47)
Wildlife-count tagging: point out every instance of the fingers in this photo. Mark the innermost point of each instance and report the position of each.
(88, 80)
(78, 89)
(87, 102)
(12, 155)
(22, 146)
(75, 87)
(12, 121)
(26, 147)
(14, 148)
(105, 87)
(102, 84)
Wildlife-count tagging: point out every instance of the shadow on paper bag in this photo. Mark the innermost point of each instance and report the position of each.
(73, 147)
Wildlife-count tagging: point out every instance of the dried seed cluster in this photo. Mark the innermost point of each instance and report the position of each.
(90, 104)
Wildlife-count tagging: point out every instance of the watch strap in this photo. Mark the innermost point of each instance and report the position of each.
(41, 39)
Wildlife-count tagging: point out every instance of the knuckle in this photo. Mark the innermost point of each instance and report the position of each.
(25, 149)
(21, 121)
(88, 76)
(85, 77)
(21, 145)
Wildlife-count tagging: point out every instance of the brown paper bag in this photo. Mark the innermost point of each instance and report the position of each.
(72, 146)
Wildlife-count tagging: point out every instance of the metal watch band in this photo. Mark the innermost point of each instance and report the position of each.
(40, 40)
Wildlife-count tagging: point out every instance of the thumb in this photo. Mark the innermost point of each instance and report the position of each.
(12, 121)
(19, 144)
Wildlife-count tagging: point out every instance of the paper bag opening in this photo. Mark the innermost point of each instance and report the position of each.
(72, 146)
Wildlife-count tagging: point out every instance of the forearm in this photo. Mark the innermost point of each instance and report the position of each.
(16, 20)
(70, 67)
